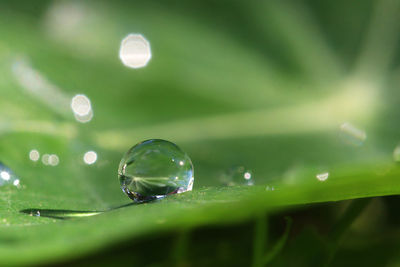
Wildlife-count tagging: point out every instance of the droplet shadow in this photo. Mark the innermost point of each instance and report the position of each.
(68, 214)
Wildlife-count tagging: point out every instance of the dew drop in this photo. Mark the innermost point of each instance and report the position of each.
(82, 108)
(45, 159)
(135, 51)
(270, 188)
(322, 176)
(153, 169)
(237, 175)
(34, 155)
(90, 157)
(80, 104)
(8, 177)
(50, 159)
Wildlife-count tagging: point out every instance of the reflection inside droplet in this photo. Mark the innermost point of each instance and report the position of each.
(135, 51)
(90, 157)
(34, 155)
(322, 176)
(352, 135)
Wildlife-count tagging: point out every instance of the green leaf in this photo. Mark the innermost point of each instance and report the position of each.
(223, 97)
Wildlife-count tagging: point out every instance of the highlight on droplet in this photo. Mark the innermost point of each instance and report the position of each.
(90, 157)
(5, 175)
(322, 176)
(16, 183)
(34, 155)
(352, 135)
(135, 51)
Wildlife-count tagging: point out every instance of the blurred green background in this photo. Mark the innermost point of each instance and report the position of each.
(288, 89)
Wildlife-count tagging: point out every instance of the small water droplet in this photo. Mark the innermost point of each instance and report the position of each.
(54, 160)
(82, 108)
(322, 176)
(149, 170)
(237, 175)
(34, 155)
(270, 188)
(50, 159)
(7, 176)
(352, 135)
(90, 157)
(135, 51)
(45, 159)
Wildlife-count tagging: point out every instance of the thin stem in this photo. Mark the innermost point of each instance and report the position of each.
(260, 240)
(355, 208)
(277, 248)
(180, 248)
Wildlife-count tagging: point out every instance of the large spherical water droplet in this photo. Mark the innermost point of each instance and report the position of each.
(153, 169)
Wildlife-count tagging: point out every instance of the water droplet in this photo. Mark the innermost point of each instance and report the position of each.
(322, 176)
(7, 176)
(238, 175)
(90, 157)
(54, 160)
(45, 159)
(270, 188)
(149, 170)
(135, 51)
(51, 159)
(352, 135)
(82, 108)
(34, 155)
